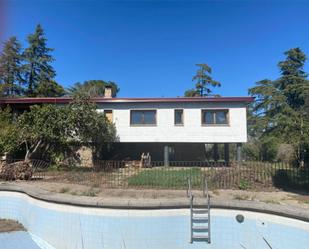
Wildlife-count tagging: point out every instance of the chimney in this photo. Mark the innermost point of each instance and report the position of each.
(108, 92)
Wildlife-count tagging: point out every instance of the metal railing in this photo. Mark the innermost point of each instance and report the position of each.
(191, 163)
(191, 197)
(200, 210)
(130, 174)
(189, 188)
(124, 174)
(206, 194)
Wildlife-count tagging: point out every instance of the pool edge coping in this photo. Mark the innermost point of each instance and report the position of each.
(253, 206)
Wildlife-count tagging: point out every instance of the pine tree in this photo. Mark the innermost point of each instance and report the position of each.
(10, 68)
(93, 88)
(39, 72)
(203, 82)
(50, 89)
(192, 93)
(280, 109)
(294, 79)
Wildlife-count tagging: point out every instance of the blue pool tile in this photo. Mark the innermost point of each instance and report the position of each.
(17, 240)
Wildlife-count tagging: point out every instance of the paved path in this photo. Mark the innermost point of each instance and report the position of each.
(149, 203)
(17, 240)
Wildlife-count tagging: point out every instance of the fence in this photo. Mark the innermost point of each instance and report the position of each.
(122, 174)
(259, 175)
(191, 163)
(126, 174)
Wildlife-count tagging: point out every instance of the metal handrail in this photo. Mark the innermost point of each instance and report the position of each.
(191, 196)
(189, 187)
(206, 194)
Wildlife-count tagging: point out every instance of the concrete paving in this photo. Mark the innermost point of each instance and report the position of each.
(158, 203)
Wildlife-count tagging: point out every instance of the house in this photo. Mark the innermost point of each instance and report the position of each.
(170, 129)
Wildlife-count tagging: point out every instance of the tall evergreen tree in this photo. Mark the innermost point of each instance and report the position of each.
(38, 69)
(280, 106)
(50, 89)
(10, 68)
(192, 93)
(93, 88)
(203, 82)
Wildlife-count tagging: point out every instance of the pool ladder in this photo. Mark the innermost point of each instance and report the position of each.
(199, 215)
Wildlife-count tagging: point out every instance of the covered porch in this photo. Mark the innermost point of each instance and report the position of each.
(187, 154)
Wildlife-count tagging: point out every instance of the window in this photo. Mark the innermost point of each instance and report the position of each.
(143, 117)
(109, 115)
(214, 117)
(178, 117)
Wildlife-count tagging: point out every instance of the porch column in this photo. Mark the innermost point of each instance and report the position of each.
(238, 153)
(166, 155)
(227, 154)
(215, 151)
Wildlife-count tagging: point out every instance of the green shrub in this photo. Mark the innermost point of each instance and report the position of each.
(243, 184)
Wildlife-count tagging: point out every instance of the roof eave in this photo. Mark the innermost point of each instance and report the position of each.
(64, 100)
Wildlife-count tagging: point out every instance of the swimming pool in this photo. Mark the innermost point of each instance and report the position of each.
(72, 227)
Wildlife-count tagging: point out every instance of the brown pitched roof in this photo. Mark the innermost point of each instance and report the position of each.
(63, 100)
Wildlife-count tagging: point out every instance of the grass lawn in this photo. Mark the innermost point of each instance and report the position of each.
(167, 178)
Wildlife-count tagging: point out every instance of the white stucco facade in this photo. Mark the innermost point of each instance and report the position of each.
(192, 130)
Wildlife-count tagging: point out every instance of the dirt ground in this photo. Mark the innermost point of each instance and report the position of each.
(297, 199)
(10, 226)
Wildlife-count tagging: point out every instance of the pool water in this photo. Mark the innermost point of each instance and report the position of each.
(69, 227)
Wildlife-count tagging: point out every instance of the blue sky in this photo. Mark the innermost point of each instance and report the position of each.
(150, 48)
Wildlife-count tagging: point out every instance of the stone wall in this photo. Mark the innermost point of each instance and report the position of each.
(85, 156)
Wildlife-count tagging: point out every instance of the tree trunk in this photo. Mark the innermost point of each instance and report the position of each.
(32, 150)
